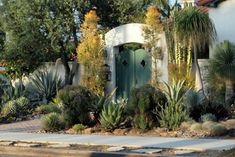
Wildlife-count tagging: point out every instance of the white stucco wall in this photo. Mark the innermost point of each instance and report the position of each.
(224, 19)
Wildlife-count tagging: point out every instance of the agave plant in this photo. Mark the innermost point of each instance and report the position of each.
(46, 84)
(11, 92)
(104, 101)
(111, 116)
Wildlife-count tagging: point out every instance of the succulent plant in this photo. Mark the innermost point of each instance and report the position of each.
(111, 116)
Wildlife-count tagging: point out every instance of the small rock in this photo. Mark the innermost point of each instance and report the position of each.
(18, 119)
(96, 129)
(108, 133)
(88, 131)
(6, 143)
(27, 145)
(135, 132)
(183, 152)
(147, 151)
(115, 149)
(120, 131)
(59, 146)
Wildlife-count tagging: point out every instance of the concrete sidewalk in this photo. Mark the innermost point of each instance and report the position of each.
(22, 126)
(126, 141)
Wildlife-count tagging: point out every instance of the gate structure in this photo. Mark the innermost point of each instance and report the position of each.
(131, 68)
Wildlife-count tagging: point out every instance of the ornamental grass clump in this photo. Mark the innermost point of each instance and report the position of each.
(52, 122)
(47, 108)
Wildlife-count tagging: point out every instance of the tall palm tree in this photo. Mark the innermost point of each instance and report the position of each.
(222, 66)
(195, 27)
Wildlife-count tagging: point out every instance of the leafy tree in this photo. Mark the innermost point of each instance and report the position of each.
(39, 31)
(26, 46)
(2, 38)
(43, 30)
(91, 55)
(196, 27)
(113, 13)
(222, 66)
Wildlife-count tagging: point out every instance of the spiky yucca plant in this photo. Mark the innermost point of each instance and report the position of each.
(222, 66)
(174, 112)
(111, 116)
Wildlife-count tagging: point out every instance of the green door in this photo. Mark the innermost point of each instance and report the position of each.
(133, 69)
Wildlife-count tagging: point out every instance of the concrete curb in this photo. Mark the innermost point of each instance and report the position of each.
(53, 152)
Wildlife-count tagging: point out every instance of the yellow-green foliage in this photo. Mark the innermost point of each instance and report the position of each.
(151, 36)
(91, 55)
(78, 128)
(196, 127)
(177, 73)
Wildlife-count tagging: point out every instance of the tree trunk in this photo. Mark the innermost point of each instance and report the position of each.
(229, 90)
(198, 78)
(65, 63)
(64, 60)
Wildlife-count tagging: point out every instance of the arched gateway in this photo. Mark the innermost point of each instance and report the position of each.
(130, 67)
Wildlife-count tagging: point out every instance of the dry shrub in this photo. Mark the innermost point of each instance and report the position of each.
(196, 127)
(218, 130)
(177, 72)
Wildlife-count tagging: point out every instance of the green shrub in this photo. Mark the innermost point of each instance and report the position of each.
(112, 116)
(4, 83)
(142, 122)
(219, 110)
(196, 127)
(46, 84)
(16, 108)
(52, 122)
(208, 117)
(173, 113)
(142, 102)
(78, 128)
(77, 104)
(9, 109)
(23, 105)
(45, 109)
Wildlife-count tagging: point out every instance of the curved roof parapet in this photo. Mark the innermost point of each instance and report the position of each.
(128, 33)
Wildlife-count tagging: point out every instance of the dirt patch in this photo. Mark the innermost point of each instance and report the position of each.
(184, 131)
